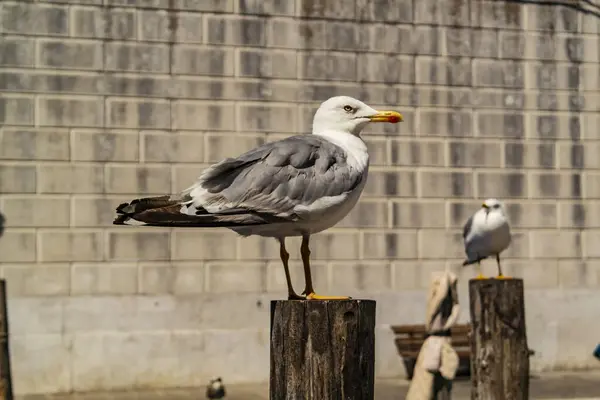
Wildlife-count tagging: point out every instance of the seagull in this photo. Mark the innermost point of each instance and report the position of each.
(215, 389)
(486, 233)
(297, 186)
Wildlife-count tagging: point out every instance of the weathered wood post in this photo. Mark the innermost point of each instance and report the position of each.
(499, 351)
(322, 350)
(6, 392)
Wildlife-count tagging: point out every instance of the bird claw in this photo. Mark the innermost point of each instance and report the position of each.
(314, 296)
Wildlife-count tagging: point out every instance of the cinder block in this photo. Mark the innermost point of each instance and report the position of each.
(446, 184)
(502, 184)
(104, 279)
(236, 277)
(17, 246)
(178, 147)
(556, 244)
(137, 57)
(273, 118)
(185, 175)
(34, 144)
(391, 39)
(378, 150)
(286, 33)
(506, 99)
(173, 278)
(17, 179)
(389, 245)
(219, 147)
(385, 11)
(42, 363)
(38, 211)
(105, 146)
(495, 15)
(193, 60)
(466, 154)
(58, 82)
(16, 110)
(114, 23)
(204, 244)
(445, 123)
(579, 215)
(552, 185)
(63, 111)
(328, 66)
(548, 18)
(391, 183)
(260, 248)
(407, 274)
(357, 277)
(261, 64)
(31, 280)
(325, 9)
(367, 214)
(509, 125)
(217, 6)
(590, 124)
(512, 45)
(235, 30)
(451, 71)
(579, 155)
(531, 215)
(138, 180)
(590, 243)
(536, 274)
(548, 126)
(203, 115)
(440, 244)
(139, 245)
(35, 19)
(139, 86)
(338, 245)
(578, 274)
(530, 155)
(387, 69)
(129, 113)
(417, 215)
(266, 7)
(70, 246)
(70, 178)
(439, 97)
(519, 246)
(156, 25)
(554, 75)
(426, 40)
(95, 211)
(494, 73)
(17, 52)
(460, 211)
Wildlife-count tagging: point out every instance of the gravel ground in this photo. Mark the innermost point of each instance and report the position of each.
(548, 386)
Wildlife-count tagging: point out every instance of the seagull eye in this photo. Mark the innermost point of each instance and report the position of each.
(496, 205)
(348, 108)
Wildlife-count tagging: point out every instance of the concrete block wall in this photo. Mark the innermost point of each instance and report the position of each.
(103, 101)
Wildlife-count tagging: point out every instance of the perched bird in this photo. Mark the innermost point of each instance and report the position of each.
(486, 233)
(215, 389)
(297, 186)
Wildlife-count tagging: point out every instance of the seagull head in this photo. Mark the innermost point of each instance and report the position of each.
(492, 206)
(346, 114)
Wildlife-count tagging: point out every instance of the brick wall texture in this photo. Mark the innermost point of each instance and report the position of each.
(106, 100)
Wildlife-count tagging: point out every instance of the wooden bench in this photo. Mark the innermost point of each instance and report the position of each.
(410, 338)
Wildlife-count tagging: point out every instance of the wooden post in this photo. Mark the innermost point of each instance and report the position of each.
(6, 392)
(499, 351)
(322, 350)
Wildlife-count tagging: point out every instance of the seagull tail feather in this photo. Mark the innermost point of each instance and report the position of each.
(167, 211)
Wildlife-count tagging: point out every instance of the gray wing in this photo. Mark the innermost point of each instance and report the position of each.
(467, 227)
(276, 177)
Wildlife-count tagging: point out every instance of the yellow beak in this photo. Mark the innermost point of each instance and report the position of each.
(387, 116)
(484, 205)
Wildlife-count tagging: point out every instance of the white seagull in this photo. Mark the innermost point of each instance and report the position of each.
(486, 233)
(297, 186)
